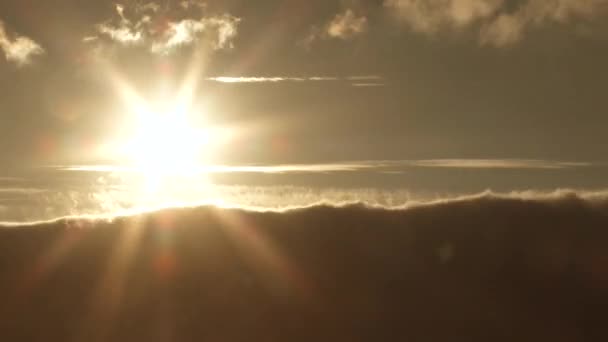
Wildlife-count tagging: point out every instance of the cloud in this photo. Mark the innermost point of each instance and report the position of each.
(19, 49)
(356, 81)
(497, 164)
(122, 34)
(158, 27)
(223, 30)
(499, 22)
(21, 191)
(426, 273)
(509, 28)
(346, 25)
(521, 164)
(429, 16)
(275, 79)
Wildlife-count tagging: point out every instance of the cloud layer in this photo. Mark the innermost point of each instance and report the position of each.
(474, 269)
(18, 49)
(499, 22)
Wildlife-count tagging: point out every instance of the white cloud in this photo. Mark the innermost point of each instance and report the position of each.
(218, 30)
(122, 34)
(496, 164)
(346, 25)
(19, 49)
(275, 79)
(499, 23)
(223, 29)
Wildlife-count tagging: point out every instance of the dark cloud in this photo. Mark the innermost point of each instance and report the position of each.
(478, 269)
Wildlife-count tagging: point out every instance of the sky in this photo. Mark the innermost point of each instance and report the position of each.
(442, 87)
(314, 81)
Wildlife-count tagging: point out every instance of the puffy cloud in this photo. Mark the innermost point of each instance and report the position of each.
(346, 25)
(500, 22)
(19, 49)
(153, 25)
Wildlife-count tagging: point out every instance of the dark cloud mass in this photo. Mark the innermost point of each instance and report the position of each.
(478, 269)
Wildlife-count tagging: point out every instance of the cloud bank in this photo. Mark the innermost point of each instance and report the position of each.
(18, 49)
(164, 29)
(498, 22)
(475, 269)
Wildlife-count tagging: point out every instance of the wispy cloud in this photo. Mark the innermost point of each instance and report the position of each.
(354, 80)
(18, 49)
(346, 25)
(379, 165)
(274, 79)
(499, 22)
(123, 34)
(140, 25)
(293, 168)
(22, 191)
(369, 84)
(222, 28)
(497, 164)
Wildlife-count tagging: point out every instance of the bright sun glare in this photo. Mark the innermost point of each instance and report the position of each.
(165, 141)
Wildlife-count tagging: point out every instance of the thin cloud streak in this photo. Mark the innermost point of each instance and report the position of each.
(359, 166)
(277, 79)
(497, 164)
(229, 79)
(22, 191)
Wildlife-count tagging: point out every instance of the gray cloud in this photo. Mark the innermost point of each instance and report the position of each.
(218, 30)
(18, 49)
(499, 22)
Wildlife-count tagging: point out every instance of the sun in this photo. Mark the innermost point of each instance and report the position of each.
(165, 140)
